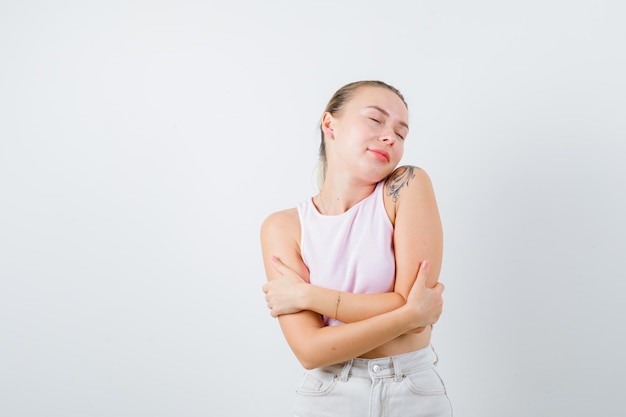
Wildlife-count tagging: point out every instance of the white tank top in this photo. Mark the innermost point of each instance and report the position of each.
(352, 251)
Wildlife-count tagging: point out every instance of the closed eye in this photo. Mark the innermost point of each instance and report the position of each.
(376, 120)
(400, 136)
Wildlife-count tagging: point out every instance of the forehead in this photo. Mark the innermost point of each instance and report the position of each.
(370, 96)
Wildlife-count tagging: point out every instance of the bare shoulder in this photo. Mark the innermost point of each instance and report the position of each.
(405, 178)
(281, 222)
(281, 231)
(280, 236)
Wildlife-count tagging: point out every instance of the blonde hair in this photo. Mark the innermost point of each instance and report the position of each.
(334, 106)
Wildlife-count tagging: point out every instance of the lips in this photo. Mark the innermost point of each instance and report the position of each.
(380, 154)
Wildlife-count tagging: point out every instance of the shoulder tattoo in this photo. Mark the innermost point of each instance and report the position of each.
(398, 179)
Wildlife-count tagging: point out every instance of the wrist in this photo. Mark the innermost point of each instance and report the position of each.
(320, 300)
(410, 317)
(306, 296)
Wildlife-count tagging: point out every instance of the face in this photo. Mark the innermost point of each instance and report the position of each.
(367, 135)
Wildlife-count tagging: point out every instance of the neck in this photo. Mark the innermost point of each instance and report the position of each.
(338, 197)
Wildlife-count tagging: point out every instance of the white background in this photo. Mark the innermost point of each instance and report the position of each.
(143, 143)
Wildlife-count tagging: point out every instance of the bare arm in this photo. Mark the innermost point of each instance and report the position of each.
(418, 234)
(315, 345)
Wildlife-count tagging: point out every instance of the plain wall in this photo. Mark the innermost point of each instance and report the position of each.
(143, 143)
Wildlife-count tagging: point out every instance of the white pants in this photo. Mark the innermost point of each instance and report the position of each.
(406, 385)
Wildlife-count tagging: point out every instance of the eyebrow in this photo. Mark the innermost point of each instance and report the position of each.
(386, 113)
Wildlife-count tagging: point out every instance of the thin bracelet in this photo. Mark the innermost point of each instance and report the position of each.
(338, 301)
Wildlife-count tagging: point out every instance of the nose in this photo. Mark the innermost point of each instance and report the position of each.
(388, 136)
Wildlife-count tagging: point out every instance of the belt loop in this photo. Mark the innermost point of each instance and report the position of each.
(345, 371)
(396, 369)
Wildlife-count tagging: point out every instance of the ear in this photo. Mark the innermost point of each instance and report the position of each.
(327, 125)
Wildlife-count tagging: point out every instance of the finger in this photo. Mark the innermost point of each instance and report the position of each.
(423, 272)
(265, 288)
(277, 268)
(278, 265)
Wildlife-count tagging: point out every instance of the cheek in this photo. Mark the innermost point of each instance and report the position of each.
(400, 149)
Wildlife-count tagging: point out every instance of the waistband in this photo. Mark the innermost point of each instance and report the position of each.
(386, 367)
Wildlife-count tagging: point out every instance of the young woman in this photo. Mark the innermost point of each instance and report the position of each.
(353, 272)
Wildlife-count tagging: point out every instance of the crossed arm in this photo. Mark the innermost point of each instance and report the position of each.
(290, 293)
(373, 319)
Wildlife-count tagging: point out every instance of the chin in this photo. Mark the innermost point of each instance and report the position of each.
(375, 174)
(375, 178)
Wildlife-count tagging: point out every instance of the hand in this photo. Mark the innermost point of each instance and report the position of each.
(285, 294)
(425, 304)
